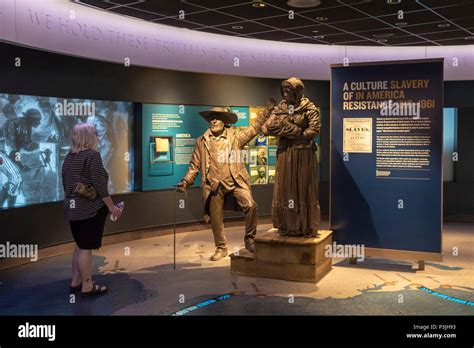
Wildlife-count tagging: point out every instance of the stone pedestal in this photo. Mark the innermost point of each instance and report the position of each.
(289, 258)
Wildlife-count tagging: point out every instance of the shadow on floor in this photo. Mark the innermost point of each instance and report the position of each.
(53, 298)
(379, 264)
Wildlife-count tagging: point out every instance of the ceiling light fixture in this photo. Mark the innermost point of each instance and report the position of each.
(303, 3)
(258, 4)
(382, 40)
(401, 24)
(383, 35)
(469, 38)
(444, 25)
(393, 2)
(322, 19)
(237, 27)
(319, 37)
(315, 31)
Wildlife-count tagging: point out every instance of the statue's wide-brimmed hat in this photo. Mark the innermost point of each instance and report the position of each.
(223, 114)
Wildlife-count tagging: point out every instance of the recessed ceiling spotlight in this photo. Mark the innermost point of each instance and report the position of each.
(382, 40)
(319, 37)
(258, 4)
(237, 27)
(444, 25)
(315, 31)
(469, 38)
(303, 3)
(322, 19)
(401, 24)
(382, 35)
(393, 2)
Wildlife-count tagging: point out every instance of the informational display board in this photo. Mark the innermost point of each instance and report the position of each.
(168, 136)
(386, 156)
(169, 133)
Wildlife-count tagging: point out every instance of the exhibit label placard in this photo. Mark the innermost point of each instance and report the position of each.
(386, 155)
(357, 135)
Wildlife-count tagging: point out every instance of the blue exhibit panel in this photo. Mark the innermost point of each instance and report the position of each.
(449, 142)
(390, 196)
(169, 133)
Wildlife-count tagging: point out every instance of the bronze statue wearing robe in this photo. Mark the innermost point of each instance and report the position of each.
(296, 121)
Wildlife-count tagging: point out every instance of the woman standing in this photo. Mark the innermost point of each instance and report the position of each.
(296, 120)
(86, 205)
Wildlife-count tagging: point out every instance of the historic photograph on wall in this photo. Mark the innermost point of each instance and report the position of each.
(34, 140)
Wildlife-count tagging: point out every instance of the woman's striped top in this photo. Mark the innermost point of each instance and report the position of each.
(89, 163)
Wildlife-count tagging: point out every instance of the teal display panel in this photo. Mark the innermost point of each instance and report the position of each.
(169, 133)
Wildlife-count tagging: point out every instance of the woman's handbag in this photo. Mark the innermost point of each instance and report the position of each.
(84, 190)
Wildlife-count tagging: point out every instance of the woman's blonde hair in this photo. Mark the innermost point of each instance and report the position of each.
(84, 137)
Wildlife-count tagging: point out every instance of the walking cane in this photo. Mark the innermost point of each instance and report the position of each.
(174, 231)
(174, 225)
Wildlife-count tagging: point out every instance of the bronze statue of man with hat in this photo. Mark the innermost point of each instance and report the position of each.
(224, 175)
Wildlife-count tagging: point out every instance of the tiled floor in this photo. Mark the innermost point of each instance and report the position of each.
(143, 282)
